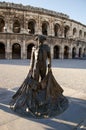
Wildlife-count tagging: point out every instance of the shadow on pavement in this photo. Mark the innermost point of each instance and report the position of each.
(67, 120)
(56, 63)
(69, 63)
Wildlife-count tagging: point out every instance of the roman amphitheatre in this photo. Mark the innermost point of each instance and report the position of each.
(18, 25)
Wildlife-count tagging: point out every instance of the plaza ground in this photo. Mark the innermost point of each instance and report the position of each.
(70, 74)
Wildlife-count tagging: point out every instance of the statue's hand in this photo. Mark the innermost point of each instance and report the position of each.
(30, 72)
(49, 67)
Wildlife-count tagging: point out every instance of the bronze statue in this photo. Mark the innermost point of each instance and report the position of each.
(40, 58)
(39, 95)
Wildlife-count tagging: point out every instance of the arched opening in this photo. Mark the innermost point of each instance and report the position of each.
(84, 34)
(80, 33)
(66, 52)
(31, 27)
(66, 31)
(73, 52)
(45, 28)
(74, 31)
(2, 51)
(16, 51)
(2, 24)
(56, 52)
(84, 52)
(29, 50)
(56, 29)
(80, 52)
(16, 26)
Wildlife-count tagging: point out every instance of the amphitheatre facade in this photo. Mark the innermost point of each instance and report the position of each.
(19, 24)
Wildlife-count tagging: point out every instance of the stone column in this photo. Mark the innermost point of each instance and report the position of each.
(62, 29)
(61, 55)
(8, 51)
(23, 51)
(51, 47)
(77, 52)
(38, 28)
(51, 30)
(70, 52)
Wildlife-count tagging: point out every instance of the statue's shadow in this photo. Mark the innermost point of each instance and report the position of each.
(69, 117)
(6, 97)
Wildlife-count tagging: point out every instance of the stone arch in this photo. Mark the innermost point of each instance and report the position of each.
(74, 31)
(66, 31)
(84, 52)
(56, 52)
(16, 26)
(66, 52)
(31, 26)
(29, 50)
(80, 52)
(73, 52)
(56, 29)
(2, 51)
(45, 26)
(80, 33)
(2, 24)
(16, 51)
(84, 34)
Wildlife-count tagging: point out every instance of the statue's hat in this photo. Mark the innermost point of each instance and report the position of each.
(40, 37)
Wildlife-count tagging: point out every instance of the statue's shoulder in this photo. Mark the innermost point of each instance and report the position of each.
(46, 47)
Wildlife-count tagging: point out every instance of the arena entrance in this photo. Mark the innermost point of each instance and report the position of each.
(56, 52)
(66, 52)
(80, 52)
(2, 51)
(29, 50)
(16, 51)
(73, 52)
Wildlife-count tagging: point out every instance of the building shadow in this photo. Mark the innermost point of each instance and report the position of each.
(56, 63)
(18, 62)
(69, 63)
(67, 120)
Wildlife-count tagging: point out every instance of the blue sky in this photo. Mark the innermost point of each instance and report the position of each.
(76, 9)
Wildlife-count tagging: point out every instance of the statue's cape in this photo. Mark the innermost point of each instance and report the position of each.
(53, 88)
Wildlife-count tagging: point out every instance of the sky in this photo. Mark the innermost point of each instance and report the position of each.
(75, 9)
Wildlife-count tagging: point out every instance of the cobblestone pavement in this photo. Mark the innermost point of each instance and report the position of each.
(70, 74)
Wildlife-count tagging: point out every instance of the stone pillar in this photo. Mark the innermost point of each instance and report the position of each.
(62, 29)
(8, 51)
(77, 52)
(51, 47)
(70, 52)
(61, 55)
(51, 30)
(38, 27)
(23, 51)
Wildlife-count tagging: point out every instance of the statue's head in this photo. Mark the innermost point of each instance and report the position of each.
(40, 38)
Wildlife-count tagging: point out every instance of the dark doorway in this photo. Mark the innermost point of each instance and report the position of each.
(56, 52)
(16, 51)
(73, 52)
(31, 27)
(44, 28)
(2, 51)
(16, 27)
(80, 52)
(66, 52)
(29, 50)
(2, 24)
